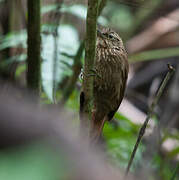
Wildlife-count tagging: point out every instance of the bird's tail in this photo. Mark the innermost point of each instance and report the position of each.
(97, 123)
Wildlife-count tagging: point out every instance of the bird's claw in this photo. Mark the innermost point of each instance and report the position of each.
(94, 73)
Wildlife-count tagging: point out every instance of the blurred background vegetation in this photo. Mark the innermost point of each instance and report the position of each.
(150, 31)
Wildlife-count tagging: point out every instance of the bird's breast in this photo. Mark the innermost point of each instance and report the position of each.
(109, 66)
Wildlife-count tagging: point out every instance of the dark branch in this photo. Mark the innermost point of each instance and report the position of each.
(34, 41)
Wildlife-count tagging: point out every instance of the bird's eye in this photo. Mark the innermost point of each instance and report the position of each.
(111, 36)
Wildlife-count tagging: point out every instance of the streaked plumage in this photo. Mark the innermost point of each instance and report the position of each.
(111, 66)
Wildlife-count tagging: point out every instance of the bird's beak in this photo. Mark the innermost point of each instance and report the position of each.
(99, 33)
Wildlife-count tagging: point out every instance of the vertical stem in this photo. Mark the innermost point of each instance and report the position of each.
(34, 42)
(56, 19)
(149, 115)
(90, 54)
(55, 34)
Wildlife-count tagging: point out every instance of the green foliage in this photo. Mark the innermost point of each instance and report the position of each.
(77, 10)
(121, 136)
(164, 168)
(20, 69)
(118, 15)
(120, 148)
(13, 39)
(15, 58)
(67, 43)
(73, 101)
(35, 161)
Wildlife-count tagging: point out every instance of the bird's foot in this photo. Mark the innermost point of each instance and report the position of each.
(94, 73)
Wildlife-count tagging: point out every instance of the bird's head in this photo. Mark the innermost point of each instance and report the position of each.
(107, 38)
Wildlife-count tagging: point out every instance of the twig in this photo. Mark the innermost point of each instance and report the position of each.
(175, 172)
(150, 113)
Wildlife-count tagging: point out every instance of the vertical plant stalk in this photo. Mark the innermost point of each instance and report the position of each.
(33, 50)
(150, 113)
(86, 99)
(77, 65)
(56, 19)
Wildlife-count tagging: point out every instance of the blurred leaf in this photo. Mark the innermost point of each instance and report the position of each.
(16, 58)
(20, 69)
(175, 172)
(173, 153)
(120, 141)
(118, 14)
(48, 8)
(77, 10)
(13, 39)
(154, 54)
(67, 42)
(163, 168)
(73, 101)
(37, 162)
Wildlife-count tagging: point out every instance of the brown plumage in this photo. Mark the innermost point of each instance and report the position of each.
(111, 68)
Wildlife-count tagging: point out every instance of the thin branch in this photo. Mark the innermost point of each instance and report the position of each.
(150, 113)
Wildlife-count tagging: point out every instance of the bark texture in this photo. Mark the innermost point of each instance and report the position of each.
(90, 54)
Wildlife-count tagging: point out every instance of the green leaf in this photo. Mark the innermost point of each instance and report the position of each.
(20, 69)
(120, 141)
(68, 42)
(16, 58)
(173, 153)
(13, 39)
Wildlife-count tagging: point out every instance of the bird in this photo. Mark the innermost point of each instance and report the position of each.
(111, 68)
